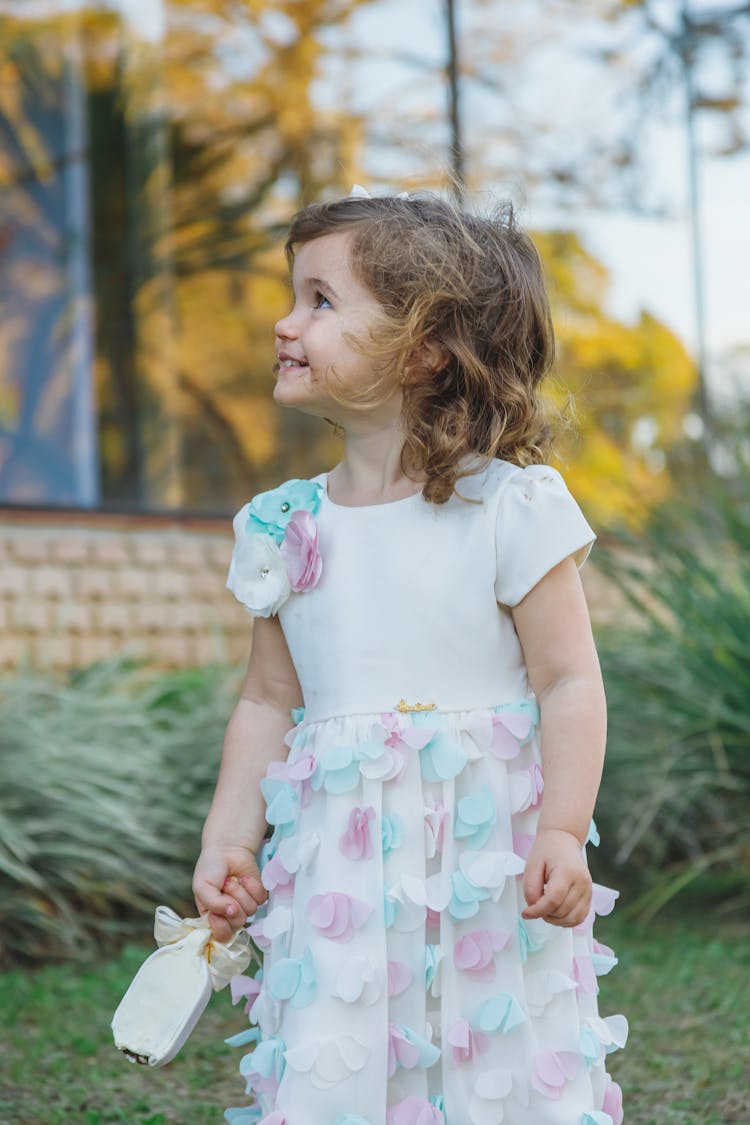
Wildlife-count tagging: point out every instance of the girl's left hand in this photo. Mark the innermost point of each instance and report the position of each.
(557, 883)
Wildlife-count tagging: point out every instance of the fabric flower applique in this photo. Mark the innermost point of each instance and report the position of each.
(276, 547)
(356, 842)
(293, 979)
(552, 1069)
(526, 788)
(602, 1036)
(491, 1089)
(466, 1044)
(359, 981)
(414, 1111)
(474, 953)
(336, 915)
(391, 833)
(476, 816)
(500, 1013)
(329, 1059)
(263, 1068)
(436, 820)
(399, 977)
(433, 956)
(408, 1049)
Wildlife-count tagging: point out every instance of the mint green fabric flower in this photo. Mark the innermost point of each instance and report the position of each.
(270, 512)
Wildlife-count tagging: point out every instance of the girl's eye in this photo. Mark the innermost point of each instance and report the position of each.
(321, 302)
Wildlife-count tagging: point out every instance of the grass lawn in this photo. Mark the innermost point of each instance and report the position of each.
(682, 983)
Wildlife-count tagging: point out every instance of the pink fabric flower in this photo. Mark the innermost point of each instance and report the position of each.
(414, 1111)
(432, 919)
(299, 773)
(508, 732)
(242, 987)
(602, 903)
(275, 1118)
(275, 875)
(399, 977)
(465, 1042)
(475, 952)
(400, 1050)
(356, 843)
(552, 1069)
(299, 548)
(612, 1103)
(336, 915)
(537, 785)
(523, 842)
(583, 973)
(257, 934)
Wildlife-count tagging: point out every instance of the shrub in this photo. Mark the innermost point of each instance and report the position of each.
(105, 779)
(677, 673)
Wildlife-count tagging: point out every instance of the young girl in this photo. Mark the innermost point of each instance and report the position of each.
(424, 902)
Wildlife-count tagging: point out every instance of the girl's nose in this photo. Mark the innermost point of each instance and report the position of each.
(286, 327)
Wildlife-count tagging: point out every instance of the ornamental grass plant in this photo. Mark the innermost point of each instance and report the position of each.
(105, 778)
(674, 804)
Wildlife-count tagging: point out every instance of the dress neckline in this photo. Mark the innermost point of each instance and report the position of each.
(365, 507)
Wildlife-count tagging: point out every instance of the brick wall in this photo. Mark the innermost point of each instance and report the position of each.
(79, 588)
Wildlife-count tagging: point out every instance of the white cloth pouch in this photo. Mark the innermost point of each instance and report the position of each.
(170, 991)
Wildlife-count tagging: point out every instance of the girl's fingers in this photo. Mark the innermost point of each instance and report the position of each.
(555, 893)
(247, 901)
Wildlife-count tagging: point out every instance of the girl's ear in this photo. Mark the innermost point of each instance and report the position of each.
(426, 360)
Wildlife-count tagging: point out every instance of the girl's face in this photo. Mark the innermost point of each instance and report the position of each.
(313, 347)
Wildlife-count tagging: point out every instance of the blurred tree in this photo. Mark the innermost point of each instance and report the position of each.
(625, 388)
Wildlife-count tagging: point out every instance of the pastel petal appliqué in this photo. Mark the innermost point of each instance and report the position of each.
(328, 1059)
(466, 1043)
(552, 1069)
(356, 842)
(491, 1089)
(336, 915)
(414, 1111)
(299, 549)
(359, 980)
(499, 1013)
(474, 953)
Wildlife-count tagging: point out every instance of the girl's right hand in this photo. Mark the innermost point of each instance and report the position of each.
(227, 888)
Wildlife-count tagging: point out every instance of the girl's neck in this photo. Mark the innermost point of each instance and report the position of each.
(370, 471)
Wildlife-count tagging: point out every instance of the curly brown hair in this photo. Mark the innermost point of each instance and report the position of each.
(467, 319)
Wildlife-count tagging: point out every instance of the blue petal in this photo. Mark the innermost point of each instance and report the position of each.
(297, 715)
(441, 759)
(392, 833)
(431, 963)
(243, 1115)
(593, 836)
(476, 816)
(428, 1052)
(351, 1119)
(342, 780)
(499, 1013)
(528, 943)
(465, 897)
(242, 1038)
(590, 1046)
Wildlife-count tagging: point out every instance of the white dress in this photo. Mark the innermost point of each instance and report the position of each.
(400, 984)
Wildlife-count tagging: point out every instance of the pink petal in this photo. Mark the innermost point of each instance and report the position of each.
(523, 842)
(583, 972)
(612, 1103)
(604, 899)
(321, 910)
(399, 977)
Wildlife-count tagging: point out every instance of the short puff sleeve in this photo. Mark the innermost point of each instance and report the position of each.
(538, 525)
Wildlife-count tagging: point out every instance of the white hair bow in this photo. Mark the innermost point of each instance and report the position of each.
(358, 192)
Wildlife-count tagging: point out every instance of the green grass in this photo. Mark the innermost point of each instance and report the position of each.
(682, 983)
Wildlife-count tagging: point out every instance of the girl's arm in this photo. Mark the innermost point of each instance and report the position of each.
(554, 629)
(226, 883)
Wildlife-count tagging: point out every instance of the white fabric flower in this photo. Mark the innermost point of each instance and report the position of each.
(257, 575)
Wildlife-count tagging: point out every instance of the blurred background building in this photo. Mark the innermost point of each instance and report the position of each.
(151, 154)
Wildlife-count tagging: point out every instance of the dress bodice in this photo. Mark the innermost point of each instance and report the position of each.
(414, 601)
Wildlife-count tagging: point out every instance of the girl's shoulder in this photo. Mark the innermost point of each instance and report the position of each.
(489, 480)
